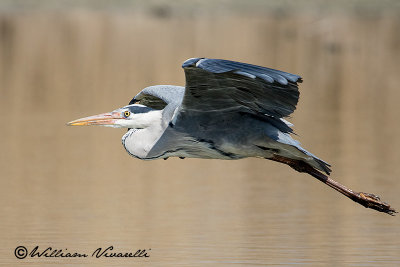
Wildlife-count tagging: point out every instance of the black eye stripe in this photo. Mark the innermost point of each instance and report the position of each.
(138, 109)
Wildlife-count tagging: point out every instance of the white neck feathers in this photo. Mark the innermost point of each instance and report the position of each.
(147, 128)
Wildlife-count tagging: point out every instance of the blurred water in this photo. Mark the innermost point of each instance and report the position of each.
(77, 189)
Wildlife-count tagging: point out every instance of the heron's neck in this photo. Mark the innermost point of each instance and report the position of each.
(139, 141)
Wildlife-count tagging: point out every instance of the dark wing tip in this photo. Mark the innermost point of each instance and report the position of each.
(222, 66)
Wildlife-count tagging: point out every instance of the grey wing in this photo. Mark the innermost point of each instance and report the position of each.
(223, 85)
(159, 96)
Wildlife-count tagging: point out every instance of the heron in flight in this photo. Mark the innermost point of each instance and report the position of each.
(227, 110)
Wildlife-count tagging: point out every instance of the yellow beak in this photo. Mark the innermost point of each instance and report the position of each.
(101, 119)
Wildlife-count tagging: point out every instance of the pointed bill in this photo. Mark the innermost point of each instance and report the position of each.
(101, 119)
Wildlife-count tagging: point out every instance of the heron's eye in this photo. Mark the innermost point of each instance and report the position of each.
(127, 114)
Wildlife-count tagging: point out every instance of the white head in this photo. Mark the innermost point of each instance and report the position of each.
(132, 116)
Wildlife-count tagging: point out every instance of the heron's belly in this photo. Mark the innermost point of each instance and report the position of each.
(195, 149)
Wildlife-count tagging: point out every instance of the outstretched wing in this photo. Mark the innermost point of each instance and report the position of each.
(224, 85)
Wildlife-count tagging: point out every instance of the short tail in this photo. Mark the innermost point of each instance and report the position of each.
(326, 167)
(316, 162)
(298, 156)
(303, 166)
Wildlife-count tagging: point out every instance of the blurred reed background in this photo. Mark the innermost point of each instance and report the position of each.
(77, 188)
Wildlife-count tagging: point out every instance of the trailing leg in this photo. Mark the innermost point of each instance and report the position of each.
(366, 199)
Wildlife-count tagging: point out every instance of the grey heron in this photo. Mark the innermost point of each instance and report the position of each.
(227, 110)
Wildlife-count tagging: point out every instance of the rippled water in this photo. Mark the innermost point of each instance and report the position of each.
(76, 189)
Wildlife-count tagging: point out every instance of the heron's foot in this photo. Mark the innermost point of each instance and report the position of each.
(374, 202)
(369, 196)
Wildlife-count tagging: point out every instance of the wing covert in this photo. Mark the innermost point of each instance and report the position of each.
(223, 85)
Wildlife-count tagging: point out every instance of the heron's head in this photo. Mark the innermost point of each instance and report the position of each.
(131, 116)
